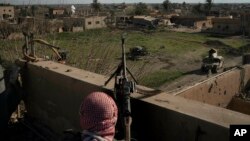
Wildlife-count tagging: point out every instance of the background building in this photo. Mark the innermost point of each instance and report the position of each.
(226, 26)
(94, 22)
(7, 12)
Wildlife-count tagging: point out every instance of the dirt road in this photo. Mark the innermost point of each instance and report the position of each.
(194, 76)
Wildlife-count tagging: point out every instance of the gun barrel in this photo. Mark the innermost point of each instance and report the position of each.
(123, 89)
(124, 58)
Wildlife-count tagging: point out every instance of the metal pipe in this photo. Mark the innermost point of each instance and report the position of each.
(32, 45)
(123, 57)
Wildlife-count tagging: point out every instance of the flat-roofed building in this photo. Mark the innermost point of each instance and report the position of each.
(56, 12)
(77, 24)
(226, 26)
(7, 12)
(145, 21)
(188, 21)
(94, 22)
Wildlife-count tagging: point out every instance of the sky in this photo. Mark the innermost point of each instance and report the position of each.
(112, 1)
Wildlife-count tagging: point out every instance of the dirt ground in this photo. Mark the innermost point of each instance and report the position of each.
(186, 30)
(194, 74)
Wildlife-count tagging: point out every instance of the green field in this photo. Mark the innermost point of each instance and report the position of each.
(100, 51)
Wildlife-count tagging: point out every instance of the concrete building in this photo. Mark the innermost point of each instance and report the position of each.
(78, 24)
(229, 25)
(226, 26)
(122, 20)
(94, 22)
(145, 21)
(54, 26)
(7, 12)
(73, 24)
(166, 22)
(204, 24)
(56, 12)
(84, 12)
(197, 22)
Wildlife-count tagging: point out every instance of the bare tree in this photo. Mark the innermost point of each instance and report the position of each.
(184, 4)
(167, 5)
(197, 9)
(96, 5)
(141, 9)
(208, 6)
(33, 10)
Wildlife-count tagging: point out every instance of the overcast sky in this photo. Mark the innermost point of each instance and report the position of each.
(112, 1)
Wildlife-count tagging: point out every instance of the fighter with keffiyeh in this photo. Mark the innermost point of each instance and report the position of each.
(99, 112)
(98, 117)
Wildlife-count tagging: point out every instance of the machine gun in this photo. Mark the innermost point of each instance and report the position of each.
(122, 90)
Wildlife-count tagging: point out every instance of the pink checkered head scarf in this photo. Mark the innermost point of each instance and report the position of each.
(98, 114)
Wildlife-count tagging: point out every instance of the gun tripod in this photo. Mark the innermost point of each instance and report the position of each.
(118, 73)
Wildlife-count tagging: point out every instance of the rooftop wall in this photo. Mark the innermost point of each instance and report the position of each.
(217, 91)
(54, 93)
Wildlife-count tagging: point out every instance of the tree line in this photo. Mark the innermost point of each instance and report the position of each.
(142, 8)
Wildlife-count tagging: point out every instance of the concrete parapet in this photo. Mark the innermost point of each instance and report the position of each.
(220, 89)
(54, 93)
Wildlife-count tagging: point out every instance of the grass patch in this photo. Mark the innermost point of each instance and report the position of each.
(100, 51)
(236, 43)
(160, 77)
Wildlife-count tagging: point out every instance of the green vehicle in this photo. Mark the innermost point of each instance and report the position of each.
(136, 53)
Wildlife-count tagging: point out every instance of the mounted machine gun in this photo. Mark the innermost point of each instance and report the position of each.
(122, 91)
